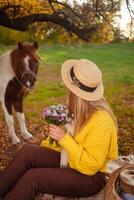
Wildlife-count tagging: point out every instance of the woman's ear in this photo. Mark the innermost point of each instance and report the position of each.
(36, 46)
(20, 45)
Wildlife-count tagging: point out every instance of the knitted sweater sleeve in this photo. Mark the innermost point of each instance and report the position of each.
(89, 155)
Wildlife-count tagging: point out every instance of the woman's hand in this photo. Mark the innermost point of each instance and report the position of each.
(56, 132)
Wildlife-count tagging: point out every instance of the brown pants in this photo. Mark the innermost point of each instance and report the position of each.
(36, 169)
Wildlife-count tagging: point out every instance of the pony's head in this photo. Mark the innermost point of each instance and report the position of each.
(25, 63)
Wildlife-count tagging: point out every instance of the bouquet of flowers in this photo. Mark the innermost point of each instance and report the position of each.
(56, 114)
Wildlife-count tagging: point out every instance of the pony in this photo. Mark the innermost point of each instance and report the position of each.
(18, 73)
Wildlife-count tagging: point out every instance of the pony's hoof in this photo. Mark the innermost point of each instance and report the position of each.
(15, 141)
(27, 135)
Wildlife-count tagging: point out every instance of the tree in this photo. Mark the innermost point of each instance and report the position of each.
(82, 20)
(130, 28)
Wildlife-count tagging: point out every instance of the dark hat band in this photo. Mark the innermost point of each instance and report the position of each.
(79, 84)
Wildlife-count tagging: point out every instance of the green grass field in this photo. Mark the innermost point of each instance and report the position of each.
(117, 64)
(115, 61)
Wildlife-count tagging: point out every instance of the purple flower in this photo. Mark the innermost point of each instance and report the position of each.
(56, 114)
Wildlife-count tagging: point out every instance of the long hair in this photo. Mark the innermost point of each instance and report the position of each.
(82, 110)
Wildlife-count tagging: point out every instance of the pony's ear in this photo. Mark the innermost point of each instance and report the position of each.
(20, 45)
(35, 44)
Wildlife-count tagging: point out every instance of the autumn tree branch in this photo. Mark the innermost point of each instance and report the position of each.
(75, 20)
(22, 23)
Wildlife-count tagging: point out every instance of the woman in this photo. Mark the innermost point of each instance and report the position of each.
(37, 168)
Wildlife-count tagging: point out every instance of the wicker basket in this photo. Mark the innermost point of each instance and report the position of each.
(114, 181)
(127, 180)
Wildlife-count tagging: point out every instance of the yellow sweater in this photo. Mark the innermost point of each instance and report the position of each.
(93, 147)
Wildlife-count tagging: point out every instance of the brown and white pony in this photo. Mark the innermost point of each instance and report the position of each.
(18, 72)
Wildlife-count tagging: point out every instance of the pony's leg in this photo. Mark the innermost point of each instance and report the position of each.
(7, 109)
(21, 120)
(64, 155)
(63, 158)
(18, 105)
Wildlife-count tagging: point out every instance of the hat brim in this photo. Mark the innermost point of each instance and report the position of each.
(66, 77)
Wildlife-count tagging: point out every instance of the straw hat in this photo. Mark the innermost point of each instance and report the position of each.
(83, 78)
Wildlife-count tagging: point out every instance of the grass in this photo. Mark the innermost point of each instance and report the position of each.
(115, 60)
(117, 64)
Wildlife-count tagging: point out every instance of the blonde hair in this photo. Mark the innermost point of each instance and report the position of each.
(83, 110)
